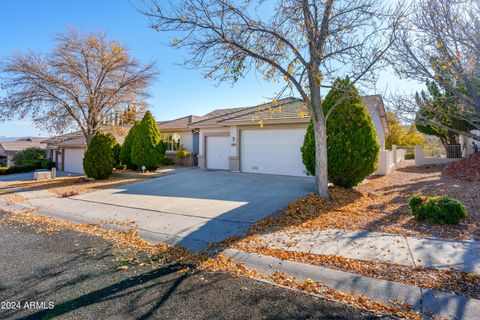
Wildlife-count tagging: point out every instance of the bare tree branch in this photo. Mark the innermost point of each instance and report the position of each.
(84, 78)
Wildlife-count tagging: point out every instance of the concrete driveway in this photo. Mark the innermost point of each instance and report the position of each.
(190, 207)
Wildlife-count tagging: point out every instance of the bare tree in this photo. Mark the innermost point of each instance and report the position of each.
(308, 43)
(85, 78)
(439, 42)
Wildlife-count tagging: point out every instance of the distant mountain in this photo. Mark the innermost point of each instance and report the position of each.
(5, 138)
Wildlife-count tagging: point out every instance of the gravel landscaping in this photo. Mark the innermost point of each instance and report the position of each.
(381, 204)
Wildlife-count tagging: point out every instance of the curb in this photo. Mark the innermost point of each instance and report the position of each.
(428, 302)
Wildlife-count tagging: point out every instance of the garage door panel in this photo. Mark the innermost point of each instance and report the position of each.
(218, 150)
(74, 160)
(272, 151)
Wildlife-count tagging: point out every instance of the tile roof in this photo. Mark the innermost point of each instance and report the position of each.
(286, 109)
(223, 115)
(22, 144)
(180, 123)
(76, 138)
(282, 110)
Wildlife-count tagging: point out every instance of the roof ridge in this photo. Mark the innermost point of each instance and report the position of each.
(265, 106)
(240, 109)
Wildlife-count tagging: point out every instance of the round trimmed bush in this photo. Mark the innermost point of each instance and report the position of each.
(126, 149)
(146, 150)
(99, 158)
(437, 209)
(352, 143)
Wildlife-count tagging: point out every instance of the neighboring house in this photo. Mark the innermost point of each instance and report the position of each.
(468, 143)
(8, 149)
(260, 139)
(67, 150)
(177, 132)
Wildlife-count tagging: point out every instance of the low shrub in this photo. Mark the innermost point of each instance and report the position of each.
(437, 209)
(16, 169)
(182, 152)
(166, 161)
(48, 164)
(36, 163)
(409, 156)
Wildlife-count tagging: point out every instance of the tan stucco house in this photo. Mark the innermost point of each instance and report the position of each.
(8, 149)
(67, 150)
(265, 138)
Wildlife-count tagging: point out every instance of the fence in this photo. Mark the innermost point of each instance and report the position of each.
(389, 159)
(455, 154)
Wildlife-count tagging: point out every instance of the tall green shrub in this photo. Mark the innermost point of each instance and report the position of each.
(352, 143)
(99, 159)
(115, 148)
(146, 149)
(126, 150)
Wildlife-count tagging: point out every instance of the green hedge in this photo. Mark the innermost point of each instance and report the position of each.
(36, 163)
(166, 161)
(39, 164)
(48, 164)
(437, 209)
(16, 169)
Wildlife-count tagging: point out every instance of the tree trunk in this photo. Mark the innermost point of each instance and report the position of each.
(320, 130)
(321, 169)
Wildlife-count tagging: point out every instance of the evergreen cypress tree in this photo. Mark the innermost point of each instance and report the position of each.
(126, 150)
(98, 160)
(145, 150)
(352, 142)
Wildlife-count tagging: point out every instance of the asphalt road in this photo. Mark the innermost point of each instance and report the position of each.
(78, 275)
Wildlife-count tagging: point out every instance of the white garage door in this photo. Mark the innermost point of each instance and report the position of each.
(218, 150)
(273, 151)
(74, 160)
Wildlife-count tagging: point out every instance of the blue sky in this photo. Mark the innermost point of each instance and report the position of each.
(29, 25)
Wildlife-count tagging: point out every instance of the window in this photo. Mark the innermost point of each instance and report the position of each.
(171, 140)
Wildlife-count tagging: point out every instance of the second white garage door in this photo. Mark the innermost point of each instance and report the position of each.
(272, 151)
(218, 149)
(74, 160)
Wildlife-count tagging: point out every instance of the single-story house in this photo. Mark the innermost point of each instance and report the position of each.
(67, 150)
(8, 149)
(259, 139)
(264, 138)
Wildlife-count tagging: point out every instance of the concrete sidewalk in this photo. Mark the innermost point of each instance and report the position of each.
(426, 301)
(391, 248)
